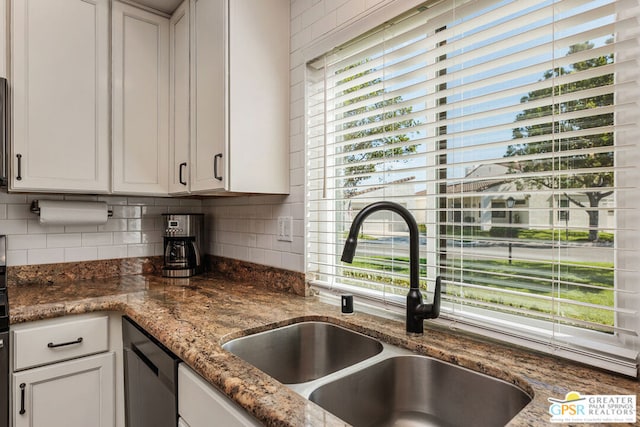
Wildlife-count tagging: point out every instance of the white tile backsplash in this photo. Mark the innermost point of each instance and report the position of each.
(135, 230)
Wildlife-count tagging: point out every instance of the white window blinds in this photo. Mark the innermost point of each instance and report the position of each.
(508, 129)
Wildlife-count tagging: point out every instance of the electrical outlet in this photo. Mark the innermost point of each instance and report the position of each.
(285, 228)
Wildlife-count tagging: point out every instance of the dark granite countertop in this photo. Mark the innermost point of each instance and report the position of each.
(193, 317)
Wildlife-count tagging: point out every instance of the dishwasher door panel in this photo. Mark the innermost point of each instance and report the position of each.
(150, 379)
(149, 402)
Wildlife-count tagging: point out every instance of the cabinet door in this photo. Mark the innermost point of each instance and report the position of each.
(60, 84)
(258, 154)
(77, 393)
(179, 100)
(208, 95)
(140, 55)
(199, 403)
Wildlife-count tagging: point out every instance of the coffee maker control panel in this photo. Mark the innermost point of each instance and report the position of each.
(173, 227)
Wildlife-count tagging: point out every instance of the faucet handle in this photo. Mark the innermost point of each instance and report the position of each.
(432, 311)
(435, 307)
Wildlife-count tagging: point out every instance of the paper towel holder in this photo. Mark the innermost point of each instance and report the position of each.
(35, 208)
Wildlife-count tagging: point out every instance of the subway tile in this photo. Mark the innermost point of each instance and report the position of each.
(112, 252)
(80, 254)
(32, 197)
(292, 262)
(64, 240)
(324, 25)
(257, 255)
(312, 14)
(148, 224)
(18, 257)
(12, 198)
(273, 258)
(80, 228)
(114, 224)
(140, 201)
(263, 241)
(81, 197)
(26, 241)
(158, 249)
(20, 211)
(34, 227)
(134, 224)
(154, 210)
(191, 202)
(113, 200)
(97, 239)
(126, 237)
(45, 256)
(153, 236)
(126, 211)
(13, 226)
(140, 250)
(349, 11)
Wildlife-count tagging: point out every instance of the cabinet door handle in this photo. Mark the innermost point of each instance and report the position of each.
(19, 175)
(64, 344)
(22, 387)
(215, 166)
(182, 166)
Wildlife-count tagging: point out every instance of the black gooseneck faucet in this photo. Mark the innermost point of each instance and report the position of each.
(416, 310)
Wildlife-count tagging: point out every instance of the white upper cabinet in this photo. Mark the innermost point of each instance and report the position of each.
(60, 86)
(179, 100)
(239, 96)
(140, 61)
(258, 97)
(147, 105)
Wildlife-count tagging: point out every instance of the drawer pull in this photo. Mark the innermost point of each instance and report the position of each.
(63, 344)
(22, 387)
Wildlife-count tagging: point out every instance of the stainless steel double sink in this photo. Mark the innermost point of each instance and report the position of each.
(370, 383)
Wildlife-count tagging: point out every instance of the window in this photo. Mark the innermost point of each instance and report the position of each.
(507, 128)
(498, 210)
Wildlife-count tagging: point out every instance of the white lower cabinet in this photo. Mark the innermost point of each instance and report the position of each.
(65, 372)
(75, 393)
(202, 405)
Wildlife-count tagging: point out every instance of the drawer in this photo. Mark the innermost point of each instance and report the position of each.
(60, 339)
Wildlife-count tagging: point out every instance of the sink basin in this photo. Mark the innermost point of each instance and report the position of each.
(419, 390)
(304, 351)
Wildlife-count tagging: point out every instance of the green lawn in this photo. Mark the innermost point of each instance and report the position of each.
(494, 275)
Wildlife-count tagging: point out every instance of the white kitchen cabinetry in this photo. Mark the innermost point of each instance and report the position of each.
(140, 60)
(202, 405)
(239, 96)
(179, 100)
(64, 373)
(60, 87)
(75, 393)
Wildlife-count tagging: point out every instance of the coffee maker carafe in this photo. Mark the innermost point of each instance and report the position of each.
(182, 243)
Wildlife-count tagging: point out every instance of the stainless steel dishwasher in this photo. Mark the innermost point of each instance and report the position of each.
(150, 379)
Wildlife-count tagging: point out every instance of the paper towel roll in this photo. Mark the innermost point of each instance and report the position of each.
(67, 212)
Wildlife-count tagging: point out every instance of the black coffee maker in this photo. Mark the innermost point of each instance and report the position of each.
(183, 234)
